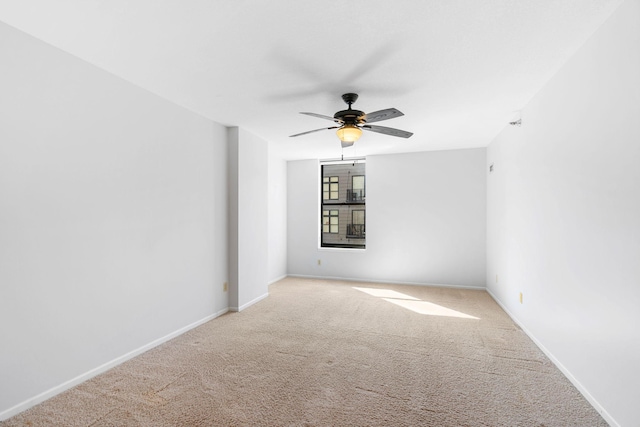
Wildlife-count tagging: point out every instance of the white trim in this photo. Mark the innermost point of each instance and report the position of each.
(250, 303)
(597, 406)
(342, 160)
(391, 282)
(338, 249)
(277, 279)
(23, 406)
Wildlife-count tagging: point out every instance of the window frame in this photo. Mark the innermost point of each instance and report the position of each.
(341, 174)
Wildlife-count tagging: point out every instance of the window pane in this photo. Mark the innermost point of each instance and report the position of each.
(325, 228)
(358, 217)
(358, 182)
(334, 179)
(334, 228)
(333, 188)
(325, 179)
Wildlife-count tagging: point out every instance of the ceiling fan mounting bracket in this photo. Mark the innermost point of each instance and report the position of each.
(350, 98)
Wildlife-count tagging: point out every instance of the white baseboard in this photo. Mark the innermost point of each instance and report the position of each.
(391, 282)
(277, 279)
(598, 407)
(250, 303)
(23, 406)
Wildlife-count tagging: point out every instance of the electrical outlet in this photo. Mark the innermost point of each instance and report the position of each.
(225, 286)
(520, 297)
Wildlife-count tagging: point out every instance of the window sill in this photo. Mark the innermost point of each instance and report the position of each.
(322, 249)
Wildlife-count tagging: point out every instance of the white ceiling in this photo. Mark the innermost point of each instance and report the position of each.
(458, 69)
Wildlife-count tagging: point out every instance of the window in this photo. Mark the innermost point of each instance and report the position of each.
(357, 187)
(342, 210)
(330, 185)
(330, 221)
(356, 230)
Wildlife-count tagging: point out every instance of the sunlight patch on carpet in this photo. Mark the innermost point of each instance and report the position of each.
(414, 304)
(385, 293)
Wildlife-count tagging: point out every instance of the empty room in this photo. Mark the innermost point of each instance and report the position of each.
(320, 213)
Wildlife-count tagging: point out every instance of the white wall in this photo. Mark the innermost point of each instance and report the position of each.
(426, 221)
(112, 219)
(277, 229)
(248, 213)
(564, 217)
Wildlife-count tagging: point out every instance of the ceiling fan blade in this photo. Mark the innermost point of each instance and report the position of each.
(387, 114)
(388, 131)
(311, 131)
(322, 116)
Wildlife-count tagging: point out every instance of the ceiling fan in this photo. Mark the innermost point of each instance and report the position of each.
(351, 122)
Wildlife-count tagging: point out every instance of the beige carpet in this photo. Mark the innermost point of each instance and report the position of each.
(323, 353)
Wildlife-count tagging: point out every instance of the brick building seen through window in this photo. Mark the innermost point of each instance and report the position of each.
(343, 205)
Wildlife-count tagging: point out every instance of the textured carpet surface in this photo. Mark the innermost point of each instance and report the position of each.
(330, 353)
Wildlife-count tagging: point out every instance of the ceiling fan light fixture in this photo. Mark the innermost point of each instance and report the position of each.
(349, 133)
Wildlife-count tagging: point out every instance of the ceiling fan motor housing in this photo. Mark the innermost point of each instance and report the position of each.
(350, 117)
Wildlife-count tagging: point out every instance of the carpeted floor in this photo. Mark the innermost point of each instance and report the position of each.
(328, 353)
